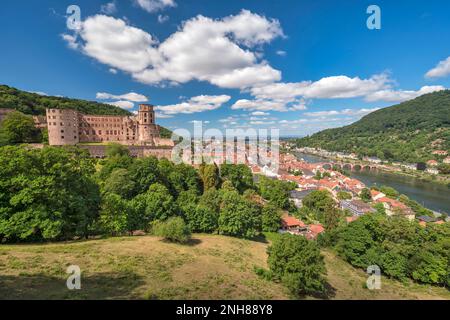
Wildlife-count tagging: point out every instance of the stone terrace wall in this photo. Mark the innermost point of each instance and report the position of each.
(99, 151)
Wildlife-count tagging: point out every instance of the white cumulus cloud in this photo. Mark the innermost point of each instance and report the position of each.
(401, 95)
(132, 96)
(441, 70)
(155, 5)
(224, 52)
(109, 8)
(122, 104)
(194, 105)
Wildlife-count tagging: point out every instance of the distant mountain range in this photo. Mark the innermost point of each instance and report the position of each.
(35, 104)
(409, 131)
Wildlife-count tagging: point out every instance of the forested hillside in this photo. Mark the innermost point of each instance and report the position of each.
(407, 132)
(35, 104)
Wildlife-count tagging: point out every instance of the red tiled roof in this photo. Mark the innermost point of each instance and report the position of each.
(316, 228)
(289, 221)
(374, 193)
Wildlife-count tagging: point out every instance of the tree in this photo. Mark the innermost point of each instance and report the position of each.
(144, 172)
(380, 208)
(342, 195)
(211, 199)
(183, 177)
(114, 214)
(389, 191)
(276, 191)
(271, 218)
(428, 267)
(240, 176)
(444, 168)
(116, 149)
(298, 264)
(332, 217)
(18, 128)
(113, 163)
(120, 183)
(209, 173)
(353, 243)
(205, 220)
(156, 204)
(318, 175)
(199, 218)
(46, 194)
(238, 217)
(365, 195)
(173, 229)
(318, 202)
(394, 264)
(326, 174)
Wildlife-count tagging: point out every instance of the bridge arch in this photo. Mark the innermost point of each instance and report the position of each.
(347, 166)
(327, 166)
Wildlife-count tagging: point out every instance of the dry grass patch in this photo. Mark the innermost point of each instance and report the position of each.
(211, 267)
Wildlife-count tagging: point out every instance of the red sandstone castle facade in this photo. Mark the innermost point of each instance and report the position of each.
(70, 127)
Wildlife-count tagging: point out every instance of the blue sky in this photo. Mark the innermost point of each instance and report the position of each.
(300, 66)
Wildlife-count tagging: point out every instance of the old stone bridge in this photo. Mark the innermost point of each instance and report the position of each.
(348, 166)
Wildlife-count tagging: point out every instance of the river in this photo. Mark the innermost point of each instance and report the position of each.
(431, 195)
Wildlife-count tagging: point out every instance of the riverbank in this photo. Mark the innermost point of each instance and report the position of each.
(435, 196)
(421, 175)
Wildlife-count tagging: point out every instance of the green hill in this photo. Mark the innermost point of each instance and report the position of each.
(406, 132)
(35, 104)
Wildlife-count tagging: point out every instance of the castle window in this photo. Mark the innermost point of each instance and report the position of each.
(62, 137)
(62, 131)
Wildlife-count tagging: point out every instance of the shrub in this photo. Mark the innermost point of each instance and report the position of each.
(173, 229)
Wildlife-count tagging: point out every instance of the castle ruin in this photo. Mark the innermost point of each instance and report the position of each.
(70, 127)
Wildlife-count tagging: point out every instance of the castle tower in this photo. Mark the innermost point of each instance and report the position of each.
(62, 127)
(147, 128)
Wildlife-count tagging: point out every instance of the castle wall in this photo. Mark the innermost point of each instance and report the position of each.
(69, 127)
(108, 129)
(99, 151)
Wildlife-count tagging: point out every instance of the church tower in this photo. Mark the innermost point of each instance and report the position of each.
(147, 128)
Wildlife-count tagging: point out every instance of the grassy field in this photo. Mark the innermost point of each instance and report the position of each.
(210, 267)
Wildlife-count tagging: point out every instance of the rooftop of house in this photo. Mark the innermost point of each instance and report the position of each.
(316, 228)
(300, 195)
(426, 219)
(289, 221)
(360, 205)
